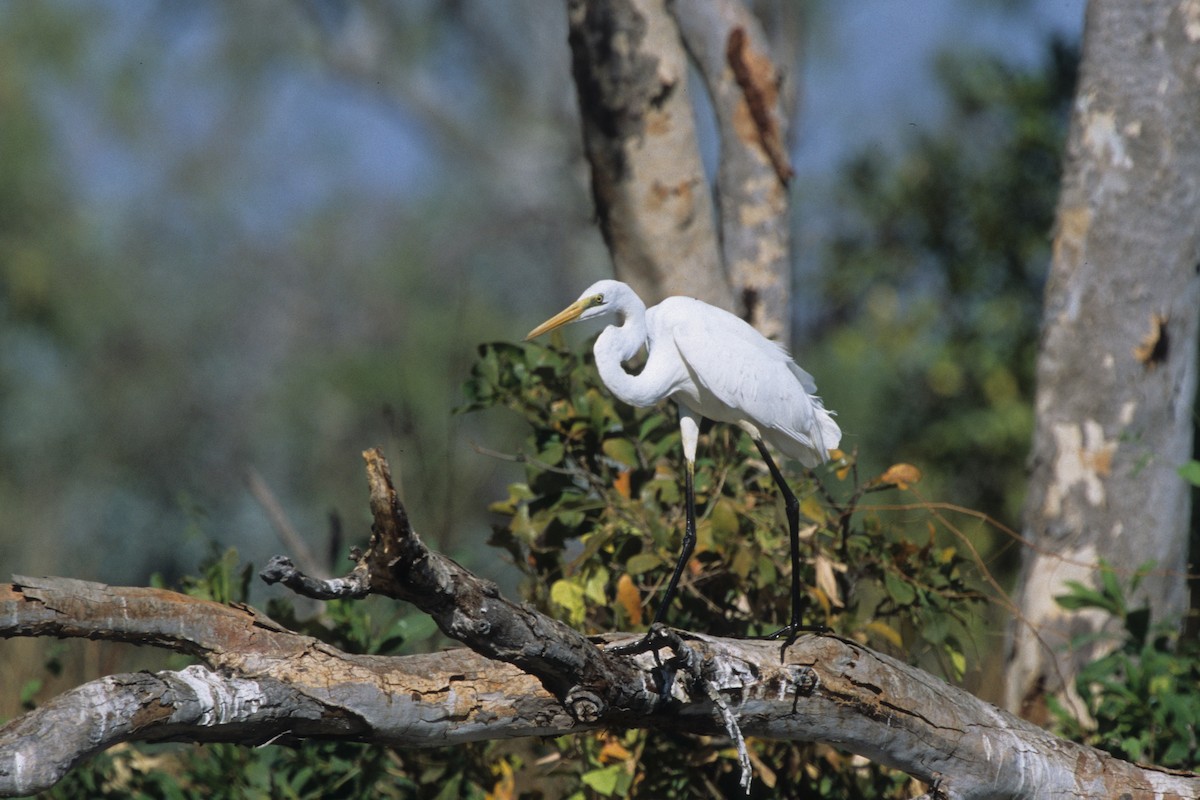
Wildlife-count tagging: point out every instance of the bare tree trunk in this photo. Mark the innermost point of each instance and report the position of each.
(1117, 365)
(525, 675)
(652, 196)
(729, 48)
(648, 180)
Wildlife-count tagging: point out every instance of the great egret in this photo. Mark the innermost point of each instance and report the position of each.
(715, 365)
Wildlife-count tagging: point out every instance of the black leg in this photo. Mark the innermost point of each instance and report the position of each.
(792, 509)
(689, 544)
(654, 637)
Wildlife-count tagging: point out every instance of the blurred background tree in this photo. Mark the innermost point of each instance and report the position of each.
(1112, 469)
(227, 247)
(184, 302)
(933, 280)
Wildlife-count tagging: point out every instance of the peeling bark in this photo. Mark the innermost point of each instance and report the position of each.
(1116, 368)
(652, 196)
(729, 48)
(653, 199)
(261, 683)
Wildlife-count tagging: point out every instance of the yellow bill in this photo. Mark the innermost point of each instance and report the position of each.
(568, 314)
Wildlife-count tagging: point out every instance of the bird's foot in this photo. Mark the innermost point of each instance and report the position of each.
(658, 637)
(655, 639)
(792, 632)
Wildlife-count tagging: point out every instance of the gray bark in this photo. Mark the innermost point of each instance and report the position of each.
(652, 196)
(730, 50)
(262, 684)
(653, 199)
(1117, 365)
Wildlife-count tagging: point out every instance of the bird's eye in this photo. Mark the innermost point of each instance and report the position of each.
(597, 299)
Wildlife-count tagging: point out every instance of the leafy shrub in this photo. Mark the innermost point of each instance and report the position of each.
(595, 529)
(1143, 694)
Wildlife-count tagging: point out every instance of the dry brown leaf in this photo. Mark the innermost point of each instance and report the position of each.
(903, 475)
(612, 751)
(630, 599)
(827, 582)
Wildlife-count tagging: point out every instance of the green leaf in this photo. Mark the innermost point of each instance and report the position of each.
(597, 586)
(667, 445)
(642, 563)
(742, 562)
(451, 789)
(936, 627)
(1080, 596)
(768, 572)
(552, 454)
(957, 660)
(1112, 589)
(651, 424)
(620, 450)
(1190, 472)
(29, 691)
(1176, 752)
(570, 596)
(724, 519)
(901, 591)
(603, 781)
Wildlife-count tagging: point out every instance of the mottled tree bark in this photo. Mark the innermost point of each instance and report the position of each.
(1117, 364)
(730, 50)
(651, 194)
(653, 199)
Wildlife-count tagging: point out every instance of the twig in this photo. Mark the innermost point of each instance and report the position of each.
(280, 569)
(695, 667)
(287, 533)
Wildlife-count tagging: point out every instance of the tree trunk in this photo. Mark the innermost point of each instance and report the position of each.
(648, 181)
(653, 198)
(1117, 364)
(730, 49)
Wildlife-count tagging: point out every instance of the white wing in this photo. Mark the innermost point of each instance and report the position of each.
(737, 375)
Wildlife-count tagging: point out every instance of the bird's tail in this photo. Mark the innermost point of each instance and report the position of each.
(811, 442)
(828, 434)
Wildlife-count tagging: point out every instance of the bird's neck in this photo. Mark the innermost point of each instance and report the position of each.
(617, 344)
(623, 341)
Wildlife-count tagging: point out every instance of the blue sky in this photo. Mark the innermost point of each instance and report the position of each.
(871, 73)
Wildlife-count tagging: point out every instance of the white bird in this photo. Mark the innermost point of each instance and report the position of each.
(711, 364)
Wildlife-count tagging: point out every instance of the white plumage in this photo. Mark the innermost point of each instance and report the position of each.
(711, 364)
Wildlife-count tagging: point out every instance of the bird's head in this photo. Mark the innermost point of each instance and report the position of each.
(600, 299)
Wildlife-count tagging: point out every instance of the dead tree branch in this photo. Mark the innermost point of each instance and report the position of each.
(525, 675)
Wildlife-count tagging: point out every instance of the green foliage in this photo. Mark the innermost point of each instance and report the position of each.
(1143, 693)
(222, 577)
(52, 664)
(595, 528)
(371, 626)
(308, 772)
(1190, 472)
